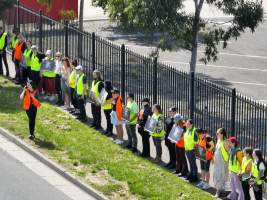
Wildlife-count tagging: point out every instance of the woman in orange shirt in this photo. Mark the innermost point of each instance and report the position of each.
(181, 163)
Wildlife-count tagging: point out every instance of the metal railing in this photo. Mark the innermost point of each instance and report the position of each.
(210, 105)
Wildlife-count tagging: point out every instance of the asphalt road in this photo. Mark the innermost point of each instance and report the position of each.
(17, 182)
(242, 65)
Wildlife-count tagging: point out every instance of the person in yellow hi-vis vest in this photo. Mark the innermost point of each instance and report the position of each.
(96, 87)
(27, 59)
(107, 107)
(234, 164)
(159, 134)
(131, 124)
(72, 86)
(3, 45)
(36, 62)
(258, 172)
(81, 93)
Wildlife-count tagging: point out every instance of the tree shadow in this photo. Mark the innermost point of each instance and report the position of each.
(44, 144)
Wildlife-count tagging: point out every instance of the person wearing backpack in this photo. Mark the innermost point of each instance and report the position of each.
(258, 172)
(234, 163)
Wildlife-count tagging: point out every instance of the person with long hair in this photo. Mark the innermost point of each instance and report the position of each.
(65, 74)
(220, 160)
(258, 173)
(107, 107)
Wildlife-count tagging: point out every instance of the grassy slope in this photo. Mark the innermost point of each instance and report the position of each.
(84, 151)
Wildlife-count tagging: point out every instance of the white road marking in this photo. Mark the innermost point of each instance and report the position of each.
(242, 83)
(219, 66)
(240, 55)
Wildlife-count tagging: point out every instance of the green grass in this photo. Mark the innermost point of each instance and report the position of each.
(86, 153)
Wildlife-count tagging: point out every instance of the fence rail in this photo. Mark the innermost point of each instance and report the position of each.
(211, 105)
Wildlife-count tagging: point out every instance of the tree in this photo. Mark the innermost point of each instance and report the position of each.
(181, 30)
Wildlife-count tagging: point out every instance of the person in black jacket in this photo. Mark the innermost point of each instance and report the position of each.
(107, 107)
(3, 45)
(169, 122)
(142, 118)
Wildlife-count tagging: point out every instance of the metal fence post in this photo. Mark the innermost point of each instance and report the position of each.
(233, 111)
(93, 52)
(66, 38)
(192, 95)
(123, 72)
(18, 16)
(155, 80)
(40, 31)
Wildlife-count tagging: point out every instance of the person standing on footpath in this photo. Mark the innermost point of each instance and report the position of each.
(97, 86)
(28, 56)
(190, 140)
(169, 122)
(131, 125)
(58, 72)
(107, 107)
(3, 45)
(144, 113)
(30, 105)
(117, 110)
(81, 93)
(234, 165)
(36, 62)
(159, 133)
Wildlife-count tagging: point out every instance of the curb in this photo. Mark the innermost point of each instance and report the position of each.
(52, 165)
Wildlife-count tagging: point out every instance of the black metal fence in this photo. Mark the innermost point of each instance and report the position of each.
(210, 105)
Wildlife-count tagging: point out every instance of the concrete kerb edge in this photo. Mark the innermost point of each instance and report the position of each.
(51, 164)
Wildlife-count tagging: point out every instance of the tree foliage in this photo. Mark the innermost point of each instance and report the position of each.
(181, 30)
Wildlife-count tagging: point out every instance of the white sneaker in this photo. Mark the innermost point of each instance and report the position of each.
(119, 142)
(200, 184)
(205, 186)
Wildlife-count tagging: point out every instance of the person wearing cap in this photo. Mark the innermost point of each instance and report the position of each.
(27, 58)
(159, 132)
(143, 115)
(131, 124)
(117, 109)
(3, 45)
(207, 144)
(30, 105)
(17, 58)
(181, 163)
(96, 88)
(14, 40)
(107, 107)
(48, 77)
(190, 141)
(58, 72)
(36, 62)
(169, 122)
(81, 87)
(234, 165)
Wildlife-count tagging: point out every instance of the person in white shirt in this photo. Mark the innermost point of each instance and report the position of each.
(58, 72)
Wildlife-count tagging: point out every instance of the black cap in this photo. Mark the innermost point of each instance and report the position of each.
(115, 91)
(146, 100)
(131, 95)
(172, 109)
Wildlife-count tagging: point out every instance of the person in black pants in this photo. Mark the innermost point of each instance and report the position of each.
(3, 45)
(169, 122)
(30, 104)
(142, 118)
(107, 107)
(58, 72)
(97, 86)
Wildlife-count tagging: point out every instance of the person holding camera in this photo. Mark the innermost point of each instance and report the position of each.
(30, 105)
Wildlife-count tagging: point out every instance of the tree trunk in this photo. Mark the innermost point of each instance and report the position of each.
(193, 61)
(80, 39)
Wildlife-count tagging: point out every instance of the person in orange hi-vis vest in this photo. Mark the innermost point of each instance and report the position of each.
(206, 142)
(30, 105)
(17, 58)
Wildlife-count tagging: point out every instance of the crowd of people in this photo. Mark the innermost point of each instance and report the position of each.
(69, 85)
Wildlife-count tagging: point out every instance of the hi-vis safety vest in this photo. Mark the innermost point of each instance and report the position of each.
(27, 54)
(35, 63)
(255, 173)
(161, 132)
(80, 89)
(28, 100)
(94, 88)
(224, 152)
(189, 139)
(18, 51)
(133, 117)
(49, 74)
(234, 165)
(245, 163)
(2, 41)
(14, 41)
(203, 143)
(107, 105)
(72, 79)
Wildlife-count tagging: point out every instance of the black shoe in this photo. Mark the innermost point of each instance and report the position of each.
(134, 150)
(188, 177)
(7, 74)
(92, 125)
(167, 165)
(109, 134)
(98, 128)
(194, 180)
(31, 137)
(171, 167)
(128, 146)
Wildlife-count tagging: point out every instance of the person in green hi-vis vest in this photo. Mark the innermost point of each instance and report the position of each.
(3, 45)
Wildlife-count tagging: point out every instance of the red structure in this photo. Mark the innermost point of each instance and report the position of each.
(54, 12)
